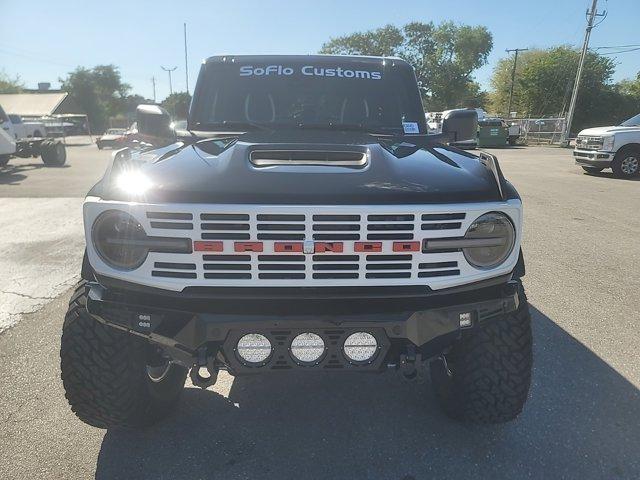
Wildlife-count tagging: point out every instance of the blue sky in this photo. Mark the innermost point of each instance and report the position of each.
(139, 36)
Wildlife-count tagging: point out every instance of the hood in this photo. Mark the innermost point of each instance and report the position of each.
(211, 171)
(600, 131)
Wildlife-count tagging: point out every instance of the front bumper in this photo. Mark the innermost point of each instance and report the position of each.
(593, 158)
(190, 330)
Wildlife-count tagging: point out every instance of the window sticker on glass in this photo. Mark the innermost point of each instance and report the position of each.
(410, 127)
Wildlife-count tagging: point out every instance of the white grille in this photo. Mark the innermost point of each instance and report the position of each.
(226, 225)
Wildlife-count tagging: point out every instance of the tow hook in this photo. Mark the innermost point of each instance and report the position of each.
(199, 380)
(412, 366)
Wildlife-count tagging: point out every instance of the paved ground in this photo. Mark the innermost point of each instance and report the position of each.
(582, 420)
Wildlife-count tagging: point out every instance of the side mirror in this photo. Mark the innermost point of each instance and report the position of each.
(154, 125)
(460, 125)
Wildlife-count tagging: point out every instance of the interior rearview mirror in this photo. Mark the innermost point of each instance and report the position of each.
(154, 125)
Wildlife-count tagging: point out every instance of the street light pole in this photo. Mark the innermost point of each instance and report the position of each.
(186, 65)
(169, 70)
(513, 74)
(591, 15)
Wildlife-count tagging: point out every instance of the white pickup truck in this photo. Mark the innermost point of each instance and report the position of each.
(28, 129)
(616, 147)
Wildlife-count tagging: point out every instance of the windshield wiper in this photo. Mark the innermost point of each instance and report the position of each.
(232, 124)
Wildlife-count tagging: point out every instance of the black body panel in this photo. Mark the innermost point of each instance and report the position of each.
(393, 175)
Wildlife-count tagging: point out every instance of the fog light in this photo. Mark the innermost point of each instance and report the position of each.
(360, 347)
(254, 348)
(307, 347)
(465, 320)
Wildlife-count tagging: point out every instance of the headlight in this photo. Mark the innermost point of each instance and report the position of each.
(494, 235)
(607, 143)
(119, 240)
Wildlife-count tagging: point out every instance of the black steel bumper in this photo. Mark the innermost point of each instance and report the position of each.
(190, 328)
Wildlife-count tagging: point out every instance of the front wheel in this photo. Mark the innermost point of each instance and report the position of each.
(485, 377)
(4, 159)
(626, 163)
(592, 169)
(111, 378)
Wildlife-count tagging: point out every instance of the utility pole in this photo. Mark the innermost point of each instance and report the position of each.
(169, 70)
(591, 15)
(153, 81)
(513, 73)
(186, 65)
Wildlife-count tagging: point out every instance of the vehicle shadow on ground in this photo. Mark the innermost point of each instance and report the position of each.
(581, 422)
(612, 176)
(15, 174)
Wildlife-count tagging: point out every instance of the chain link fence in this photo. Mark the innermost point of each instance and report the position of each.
(540, 131)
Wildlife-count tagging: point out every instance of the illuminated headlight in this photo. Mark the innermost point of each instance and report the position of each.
(493, 238)
(360, 347)
(307, 347)
(119, 240)
(254, 348)
(133, 182)
(608, 143)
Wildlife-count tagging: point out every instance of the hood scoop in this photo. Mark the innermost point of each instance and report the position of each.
(290, 157)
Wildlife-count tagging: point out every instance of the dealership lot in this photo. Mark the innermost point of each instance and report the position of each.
(582, 419)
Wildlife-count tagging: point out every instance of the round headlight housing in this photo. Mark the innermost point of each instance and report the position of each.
(494, 237)
(119, 240)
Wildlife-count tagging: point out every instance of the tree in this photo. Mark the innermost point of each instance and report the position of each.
(10, 85)
(544, 81)
(99, 91)
(177, 104)
(444, 57)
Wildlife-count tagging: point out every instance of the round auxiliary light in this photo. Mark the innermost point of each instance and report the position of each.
(307, 347)
(119, 240)
(496, 237)
(360, 347)
(254, 348)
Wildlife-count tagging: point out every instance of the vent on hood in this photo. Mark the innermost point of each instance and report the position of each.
(266, 158)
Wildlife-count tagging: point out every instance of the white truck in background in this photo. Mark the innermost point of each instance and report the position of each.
(615, 147)
(26, 129)
(52, 151)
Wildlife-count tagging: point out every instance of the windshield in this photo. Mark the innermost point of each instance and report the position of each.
(361, 96)
(632, 122)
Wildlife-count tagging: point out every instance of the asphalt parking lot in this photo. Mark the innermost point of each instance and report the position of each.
(582, 419)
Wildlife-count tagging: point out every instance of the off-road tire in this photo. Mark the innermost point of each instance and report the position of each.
(53, 153)
(4, 159)
(104, 372)
(618, 163)
(592, 169)
(486, 375)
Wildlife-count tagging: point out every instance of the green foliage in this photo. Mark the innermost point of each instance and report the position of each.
(544, 80)
(100, 92)
(444, 57)
(177, 104)
(10, 85)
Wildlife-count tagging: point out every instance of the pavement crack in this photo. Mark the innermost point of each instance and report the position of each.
(24, 295)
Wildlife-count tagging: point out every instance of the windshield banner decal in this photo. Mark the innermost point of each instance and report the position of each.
(309, 71)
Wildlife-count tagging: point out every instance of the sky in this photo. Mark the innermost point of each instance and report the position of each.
(50, 39)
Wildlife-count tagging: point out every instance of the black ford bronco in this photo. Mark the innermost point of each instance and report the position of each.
(303, 221)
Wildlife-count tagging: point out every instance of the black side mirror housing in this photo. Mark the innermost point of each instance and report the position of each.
(154, 125)
(460, 124)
